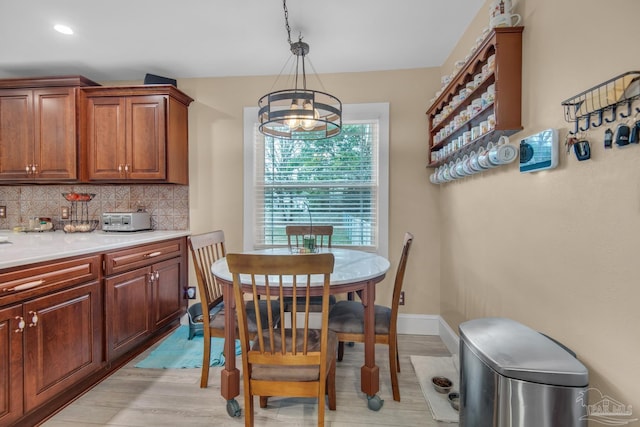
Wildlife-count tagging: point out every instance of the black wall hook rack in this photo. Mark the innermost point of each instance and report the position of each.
(607, 96)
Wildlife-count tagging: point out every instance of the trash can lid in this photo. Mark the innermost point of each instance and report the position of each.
(516, 351)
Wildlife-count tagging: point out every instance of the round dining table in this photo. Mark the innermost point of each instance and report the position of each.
(354, 271)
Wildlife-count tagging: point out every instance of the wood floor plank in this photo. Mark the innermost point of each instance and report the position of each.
(134, 397)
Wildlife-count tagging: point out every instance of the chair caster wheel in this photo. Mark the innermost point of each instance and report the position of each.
(374, 402)
(233, 408)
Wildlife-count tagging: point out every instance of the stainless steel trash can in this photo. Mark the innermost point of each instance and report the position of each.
(513, 376)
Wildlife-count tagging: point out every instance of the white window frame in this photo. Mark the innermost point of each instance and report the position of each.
(350, 112)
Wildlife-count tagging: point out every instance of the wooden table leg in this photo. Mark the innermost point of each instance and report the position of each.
(230, 375)
(369, 373)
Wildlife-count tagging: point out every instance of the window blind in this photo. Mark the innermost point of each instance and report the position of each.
(325, 182)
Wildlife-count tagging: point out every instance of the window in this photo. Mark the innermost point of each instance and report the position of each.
(341, 181)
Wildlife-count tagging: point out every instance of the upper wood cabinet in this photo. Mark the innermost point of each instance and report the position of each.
(38, 129)
(135, 134)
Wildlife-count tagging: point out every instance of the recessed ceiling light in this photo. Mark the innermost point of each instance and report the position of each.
(63, 29)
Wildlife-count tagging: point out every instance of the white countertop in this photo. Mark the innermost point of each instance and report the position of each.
(27, 248)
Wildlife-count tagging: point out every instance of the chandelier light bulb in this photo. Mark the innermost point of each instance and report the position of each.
(293, 121)
(310, 124)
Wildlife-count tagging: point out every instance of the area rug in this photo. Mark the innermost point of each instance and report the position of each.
(427, 367)
(176, 351)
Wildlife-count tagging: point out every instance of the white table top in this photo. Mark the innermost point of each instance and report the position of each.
(27, 248)
(350, 265)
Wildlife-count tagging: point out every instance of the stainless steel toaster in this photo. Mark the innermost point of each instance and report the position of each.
(126, 221)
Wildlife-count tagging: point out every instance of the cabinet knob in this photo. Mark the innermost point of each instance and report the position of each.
(34, 319)
(28, 169)
(34, 168)
(157, 275)
(120, 168)
(126, 167)
(21, 324)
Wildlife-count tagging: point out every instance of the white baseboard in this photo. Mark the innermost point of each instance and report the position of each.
(429, 324)
(418, 324)
(449, 337)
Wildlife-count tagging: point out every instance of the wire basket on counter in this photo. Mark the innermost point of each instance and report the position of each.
(79, 222)
(77, 226)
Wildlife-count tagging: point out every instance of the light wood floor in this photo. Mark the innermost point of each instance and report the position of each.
(134, 397)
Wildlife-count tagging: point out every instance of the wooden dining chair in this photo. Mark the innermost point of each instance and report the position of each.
(206, 249)
(322, 239)
(347, 320)
(296, 361)
(322, 235)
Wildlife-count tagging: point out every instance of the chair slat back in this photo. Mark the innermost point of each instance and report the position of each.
(397, 285)
(274, 276)
(321, 233)
(205, 249)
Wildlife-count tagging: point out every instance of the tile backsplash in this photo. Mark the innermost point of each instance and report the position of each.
(167, 204)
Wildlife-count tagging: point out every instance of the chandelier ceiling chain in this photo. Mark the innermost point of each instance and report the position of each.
(299, 113)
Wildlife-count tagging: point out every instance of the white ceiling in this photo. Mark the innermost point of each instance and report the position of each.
(125, 39)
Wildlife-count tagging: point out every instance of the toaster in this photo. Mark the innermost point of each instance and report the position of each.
(126, 221)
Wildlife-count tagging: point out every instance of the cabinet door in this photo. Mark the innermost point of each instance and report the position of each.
(167, 292)
(55, 143)
(10, 364)
(63, 341)
(16, 133)
(128, 302)
(146, 137)
(105, 138)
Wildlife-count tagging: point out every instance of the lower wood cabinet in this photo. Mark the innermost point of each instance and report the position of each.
(55, 319)
(147, 296)
(141, 301)
(48, 345)
(11, 365)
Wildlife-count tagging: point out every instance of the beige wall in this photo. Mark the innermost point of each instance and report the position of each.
(216, 180)
(557, 250)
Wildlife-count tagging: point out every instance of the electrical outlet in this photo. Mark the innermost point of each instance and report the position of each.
(190, 292)
(3, 211)
(64, 214)
(401, 298)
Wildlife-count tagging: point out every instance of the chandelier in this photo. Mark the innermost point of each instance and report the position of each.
(299, 113)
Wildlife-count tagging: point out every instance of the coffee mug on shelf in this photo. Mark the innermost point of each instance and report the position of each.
(473, 161)
(483, 157)
(500, 14)
(505, 20)
(503, 152)
(460, 172)
(466, 165)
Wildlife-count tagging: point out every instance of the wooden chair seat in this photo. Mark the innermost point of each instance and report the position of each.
(348, 317)
(295, 373)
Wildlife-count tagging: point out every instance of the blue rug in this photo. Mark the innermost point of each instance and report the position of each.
(176, 351)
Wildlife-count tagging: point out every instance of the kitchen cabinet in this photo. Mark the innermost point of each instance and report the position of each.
(144, 292)
(11, 365)
(495, 68)
(135, 134)
(51, 332)
(38, 129)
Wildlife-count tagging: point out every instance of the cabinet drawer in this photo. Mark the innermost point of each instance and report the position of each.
(30, 281)
(140, 256)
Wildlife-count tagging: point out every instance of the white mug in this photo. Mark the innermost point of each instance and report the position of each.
(505, 20)
(499, 7)
(483, 157)
(503, 152)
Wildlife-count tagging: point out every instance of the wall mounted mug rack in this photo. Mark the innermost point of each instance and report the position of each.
(604, 103)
